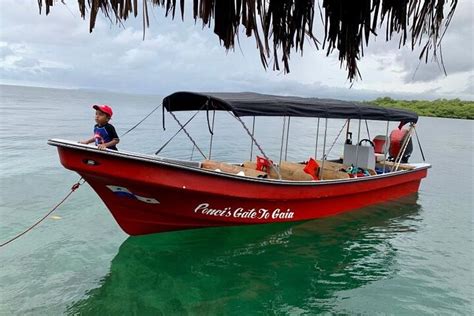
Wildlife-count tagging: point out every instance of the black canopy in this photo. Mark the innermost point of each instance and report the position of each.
(254, 104)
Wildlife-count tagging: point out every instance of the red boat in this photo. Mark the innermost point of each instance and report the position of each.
(149, 194)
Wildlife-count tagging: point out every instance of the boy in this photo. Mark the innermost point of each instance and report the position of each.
(105, 136)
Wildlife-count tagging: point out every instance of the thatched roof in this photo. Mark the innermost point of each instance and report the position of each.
(348, 24)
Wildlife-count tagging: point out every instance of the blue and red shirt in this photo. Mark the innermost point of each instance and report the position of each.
(104, 134)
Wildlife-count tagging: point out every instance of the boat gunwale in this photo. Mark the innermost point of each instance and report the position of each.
(163, 161)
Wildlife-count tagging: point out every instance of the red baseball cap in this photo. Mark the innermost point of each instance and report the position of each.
(103, 108)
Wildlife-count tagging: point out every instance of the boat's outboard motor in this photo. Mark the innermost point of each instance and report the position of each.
(397, 138)
(379, 144)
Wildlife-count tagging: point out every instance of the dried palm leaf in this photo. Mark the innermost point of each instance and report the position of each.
(347, 28)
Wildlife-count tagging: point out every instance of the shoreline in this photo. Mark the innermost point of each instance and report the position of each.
(441, 108)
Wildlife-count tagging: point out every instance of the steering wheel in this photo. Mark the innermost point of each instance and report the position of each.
(366, 140)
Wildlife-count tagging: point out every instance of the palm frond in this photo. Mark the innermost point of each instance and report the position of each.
(287, 23)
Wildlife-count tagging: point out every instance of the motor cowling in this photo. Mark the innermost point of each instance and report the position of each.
(397, 138)
(379, 144)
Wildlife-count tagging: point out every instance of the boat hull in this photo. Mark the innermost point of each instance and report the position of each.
(146, 195)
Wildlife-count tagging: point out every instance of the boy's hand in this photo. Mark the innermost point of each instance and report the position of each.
(102, 147)
(83, 142)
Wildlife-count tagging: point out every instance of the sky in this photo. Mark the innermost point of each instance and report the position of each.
(58, 51)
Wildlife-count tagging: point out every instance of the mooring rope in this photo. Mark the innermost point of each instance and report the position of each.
(131, 129)
(74, 187)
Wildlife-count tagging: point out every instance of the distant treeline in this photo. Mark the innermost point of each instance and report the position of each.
(439, 108)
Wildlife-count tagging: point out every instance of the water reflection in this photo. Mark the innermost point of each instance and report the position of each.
(277, 268)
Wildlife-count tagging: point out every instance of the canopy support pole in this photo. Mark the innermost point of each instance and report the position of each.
(357, 150)
(348, 131)
(212, 134)
(316, 146)
(324, 148)
(419, 144)
(282, 139)
(367, 127)
(192, 153)
(181, 128)
(385, 147)
(186, 132)
(251, 144)
(287, 137)
(256, 143)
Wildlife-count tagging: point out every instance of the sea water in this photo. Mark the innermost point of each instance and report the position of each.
(412, 256)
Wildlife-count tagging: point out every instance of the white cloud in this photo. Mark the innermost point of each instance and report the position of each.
(456, 51)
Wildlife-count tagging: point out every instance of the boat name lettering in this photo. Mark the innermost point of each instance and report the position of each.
(240, 212)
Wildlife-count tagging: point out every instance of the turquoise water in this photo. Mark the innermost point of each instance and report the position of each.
(413, 256)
